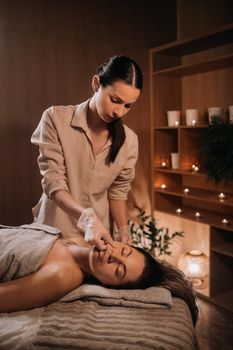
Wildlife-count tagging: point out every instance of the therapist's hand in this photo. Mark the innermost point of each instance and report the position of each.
(123, 235)
(95, 232)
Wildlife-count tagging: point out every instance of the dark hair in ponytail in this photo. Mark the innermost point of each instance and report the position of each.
(161, 274)
(125, 69)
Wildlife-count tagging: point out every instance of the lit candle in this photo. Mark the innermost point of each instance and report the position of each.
(225, 221)
(196, 169)
(197, 214)
(186, 191)
(193, 166)
(194, 122)
(164, 164)
(178, 211)
(163, 186)
(221, 195)
(177, 123)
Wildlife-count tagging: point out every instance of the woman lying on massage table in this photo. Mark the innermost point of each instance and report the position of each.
(39, 266)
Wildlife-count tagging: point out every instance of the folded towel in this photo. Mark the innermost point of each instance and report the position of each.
(153, 297)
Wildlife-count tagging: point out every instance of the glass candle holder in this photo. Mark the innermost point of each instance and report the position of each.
(197, 215)
(164, 164)
(195, 266)
(221, 195)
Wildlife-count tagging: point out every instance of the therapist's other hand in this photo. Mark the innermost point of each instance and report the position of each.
(123, 235)
(95, 232)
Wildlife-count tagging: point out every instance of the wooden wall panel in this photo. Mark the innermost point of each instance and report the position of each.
(49, 52)
(197, 16)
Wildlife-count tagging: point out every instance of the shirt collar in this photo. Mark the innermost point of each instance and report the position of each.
(79, 119)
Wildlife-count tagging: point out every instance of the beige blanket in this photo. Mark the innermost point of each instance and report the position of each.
(153, 297)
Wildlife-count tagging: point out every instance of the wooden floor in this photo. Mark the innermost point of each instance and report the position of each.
(214, 327)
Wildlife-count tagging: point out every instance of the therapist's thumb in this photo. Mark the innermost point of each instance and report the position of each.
(106, 237)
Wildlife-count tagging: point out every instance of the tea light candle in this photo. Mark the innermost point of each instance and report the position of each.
(225, 221)
(197, 215)
(177, 123)
(193, 166)
(164, 164)
(186, 191)
(196, 169)
(221, 195)
(178, 211)
(194, 122)
(163, 186)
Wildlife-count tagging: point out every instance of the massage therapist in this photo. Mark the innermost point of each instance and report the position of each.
(87, 158)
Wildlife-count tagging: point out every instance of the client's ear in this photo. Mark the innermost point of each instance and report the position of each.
(95, 83)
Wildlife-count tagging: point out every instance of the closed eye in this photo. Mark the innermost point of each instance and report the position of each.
(115, 100)
(118, 101)
(121, 271)
(128, 106)
(126, 251)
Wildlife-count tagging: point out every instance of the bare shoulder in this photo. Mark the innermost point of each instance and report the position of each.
(49, 283)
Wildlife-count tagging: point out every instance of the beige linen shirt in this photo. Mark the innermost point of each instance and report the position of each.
(67, 161)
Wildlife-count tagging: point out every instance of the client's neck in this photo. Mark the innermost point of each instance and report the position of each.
(81, 255)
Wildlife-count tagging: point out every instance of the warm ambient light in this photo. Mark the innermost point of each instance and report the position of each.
(221, 195)
(197, 215)
(164, 164)
(194, 122)
(178, 211)
(195, 266)
(225, 221)
(163, 186)
(186, 191)
(177, 123)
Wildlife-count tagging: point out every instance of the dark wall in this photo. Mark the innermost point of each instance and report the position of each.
(49, 52)
(197, 16)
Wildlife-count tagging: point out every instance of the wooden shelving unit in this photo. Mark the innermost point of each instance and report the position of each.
(193, 73)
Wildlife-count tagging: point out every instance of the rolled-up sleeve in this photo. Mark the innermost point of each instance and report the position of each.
(51, 159)
(122, 184)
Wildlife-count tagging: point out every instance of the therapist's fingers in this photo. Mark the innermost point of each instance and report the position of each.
(106, 237)
(126, 240)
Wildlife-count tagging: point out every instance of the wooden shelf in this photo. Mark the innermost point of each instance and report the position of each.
(166, 128)
(224, 299)
(224, 249)
(223, 62)
(181, 127)
(179, 171)
(205, 218)
(178, 82)
(200, 194)
(213, 38)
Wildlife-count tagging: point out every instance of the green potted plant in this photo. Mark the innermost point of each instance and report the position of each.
(216, 151)
(146, 234)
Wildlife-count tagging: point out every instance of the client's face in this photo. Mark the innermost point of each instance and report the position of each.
(117, 265)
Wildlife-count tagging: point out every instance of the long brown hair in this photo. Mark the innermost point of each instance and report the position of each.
(162, 274)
